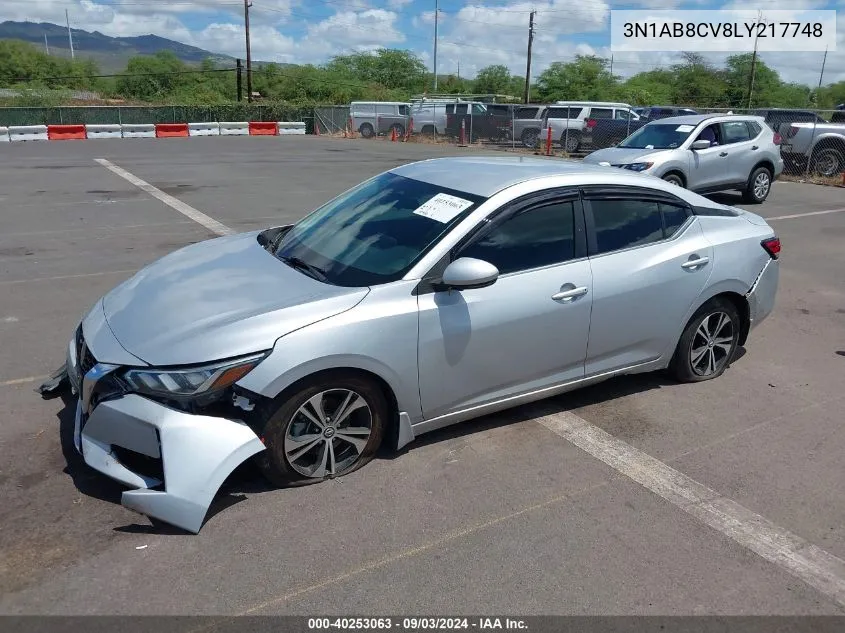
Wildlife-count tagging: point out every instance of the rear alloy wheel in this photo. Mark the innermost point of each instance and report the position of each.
(708, 343)
(828, 162)
(570, 142)
(367, 130)
(530, 138)
(674, 179)
(759, 185)
(327, 429)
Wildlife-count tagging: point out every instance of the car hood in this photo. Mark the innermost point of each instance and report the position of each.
(217, 299)
(624, 155)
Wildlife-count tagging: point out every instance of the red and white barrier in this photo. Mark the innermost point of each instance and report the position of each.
(234, 128)
(291, 127)
(168, 130)
(104, 130)
(4, 135)
(204, 129)
(263, 128)
(28, 133)
(138, 130)
(66, 132)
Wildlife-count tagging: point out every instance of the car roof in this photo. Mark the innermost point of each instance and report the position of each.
(695, 119)
(487, 175)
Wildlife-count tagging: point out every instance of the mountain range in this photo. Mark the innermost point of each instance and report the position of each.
(111, 53)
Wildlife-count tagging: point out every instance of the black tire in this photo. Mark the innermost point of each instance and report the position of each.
(674, 179)
(828, 162)
(758, 186)
(570, 142)
(684, 366)
(530, 138)
(367, 130)
(400, 129)
(427, 130)
(275, 463)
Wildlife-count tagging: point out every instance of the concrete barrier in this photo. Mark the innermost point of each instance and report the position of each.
(234, 128)
(204, 129)
(168, 130)
(66, 132)
(4, 135)
(104, 130)
(28, 132)
(263, 128)
(138, 130)
(291, 127)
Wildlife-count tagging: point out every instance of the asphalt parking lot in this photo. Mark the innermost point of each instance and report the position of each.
(499, 515)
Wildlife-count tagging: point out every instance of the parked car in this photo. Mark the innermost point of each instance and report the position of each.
(527, 123)
(428, 295)
(380, 117)
(479, 120)
(779, 119)
(429, 115)
(568, 121)
(703, 152)
(602, 132)
(822, 144)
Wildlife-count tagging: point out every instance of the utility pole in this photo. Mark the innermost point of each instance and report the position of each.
(239, 77)
(69, 35)
(247, 5)
(824, 62)
(525, 94)
(46, 45)
(436, 17)
(459, 71)
(753, 63)
(611, 64)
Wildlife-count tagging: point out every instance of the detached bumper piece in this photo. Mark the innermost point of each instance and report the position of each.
(175, 461)
(57, 382)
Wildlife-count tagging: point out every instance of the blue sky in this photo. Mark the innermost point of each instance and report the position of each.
(472, 33)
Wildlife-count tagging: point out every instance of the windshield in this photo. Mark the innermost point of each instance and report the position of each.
(658, 136)
(375, 232)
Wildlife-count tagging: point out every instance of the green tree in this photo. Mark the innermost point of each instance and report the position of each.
(493, 80)
(737, 75)
(391, 68)
(23, 64)
(586, 78)
(699, 83)
(153, 77)
(652, 87)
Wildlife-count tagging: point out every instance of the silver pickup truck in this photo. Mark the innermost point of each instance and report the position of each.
(819, 145)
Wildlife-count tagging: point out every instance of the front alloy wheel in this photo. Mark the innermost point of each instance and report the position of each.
(325, 427)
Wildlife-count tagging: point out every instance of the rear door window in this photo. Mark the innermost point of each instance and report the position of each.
(734, 132)
(526, 113)
(601, 113)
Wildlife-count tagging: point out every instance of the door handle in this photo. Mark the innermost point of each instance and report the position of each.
(753, 147)
(723, 153)
(695, 263)
(569, 295)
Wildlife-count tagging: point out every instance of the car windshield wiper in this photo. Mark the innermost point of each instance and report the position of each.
(299, 264)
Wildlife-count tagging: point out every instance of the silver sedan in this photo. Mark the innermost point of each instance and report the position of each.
(428, 295)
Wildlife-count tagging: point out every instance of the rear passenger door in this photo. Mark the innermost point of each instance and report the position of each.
(650, 262)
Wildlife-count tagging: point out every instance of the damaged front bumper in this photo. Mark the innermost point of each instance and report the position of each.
(175, 461)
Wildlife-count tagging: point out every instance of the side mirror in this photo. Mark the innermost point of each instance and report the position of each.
(467, 272)
(700, 144)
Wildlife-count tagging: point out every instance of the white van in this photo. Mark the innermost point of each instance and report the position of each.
(380, 117)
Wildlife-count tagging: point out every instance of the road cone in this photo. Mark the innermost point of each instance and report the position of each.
(316, 129)
(549, 142)
(393, 134)
(462, 139)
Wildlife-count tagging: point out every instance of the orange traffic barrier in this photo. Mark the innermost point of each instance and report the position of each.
(393, 134)
(65, 132)
(263, 128)
(165, 130)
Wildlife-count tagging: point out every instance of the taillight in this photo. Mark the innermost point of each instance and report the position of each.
(771, 246)
(777, 140)
(793, 130)
(591, 123)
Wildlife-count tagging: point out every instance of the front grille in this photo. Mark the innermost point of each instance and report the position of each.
(84, 358)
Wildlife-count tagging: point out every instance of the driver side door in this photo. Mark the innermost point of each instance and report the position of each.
(481, 346)
(708, 168)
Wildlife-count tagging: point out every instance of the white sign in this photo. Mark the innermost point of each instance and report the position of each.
(443, 207)
(726, 30)
(685, 128)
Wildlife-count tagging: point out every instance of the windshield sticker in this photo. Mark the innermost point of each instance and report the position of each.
(443, 207)
(684, 128)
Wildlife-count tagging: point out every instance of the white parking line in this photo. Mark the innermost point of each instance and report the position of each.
(60, 277)
(804, 215)
(22, 381)
(816, 567)
(185, 209)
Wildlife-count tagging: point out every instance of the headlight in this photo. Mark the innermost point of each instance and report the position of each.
(190, 381)
(638, 166)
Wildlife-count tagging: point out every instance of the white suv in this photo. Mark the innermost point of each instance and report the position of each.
(568, 120)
